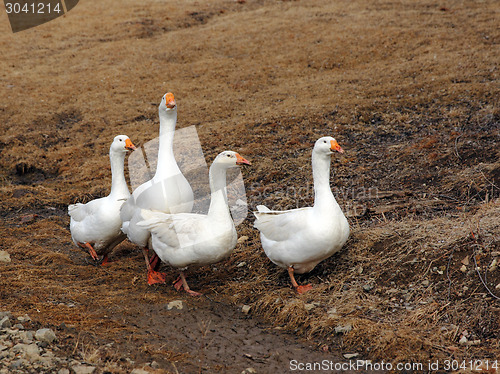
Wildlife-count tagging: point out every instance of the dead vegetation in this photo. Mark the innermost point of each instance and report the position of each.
(410, 91)
(409, 287)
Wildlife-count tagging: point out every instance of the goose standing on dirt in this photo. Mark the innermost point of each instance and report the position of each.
(168, 191)
(95, 226)
(186, 239)
(299, 239)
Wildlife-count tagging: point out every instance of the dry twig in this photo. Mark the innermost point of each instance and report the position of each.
(477, 269)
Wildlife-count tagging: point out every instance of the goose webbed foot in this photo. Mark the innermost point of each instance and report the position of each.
(153, 275)
(181, 282)
(304, 288)
(105, 261)
(299, 289)
(156, 277)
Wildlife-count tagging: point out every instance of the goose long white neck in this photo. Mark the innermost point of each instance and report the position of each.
(166, 165)
(119, 186)
(323, 196)
(218, 202)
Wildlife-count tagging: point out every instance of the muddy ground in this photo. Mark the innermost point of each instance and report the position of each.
(410, 89)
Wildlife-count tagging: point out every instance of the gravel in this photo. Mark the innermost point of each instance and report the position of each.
(34, 351)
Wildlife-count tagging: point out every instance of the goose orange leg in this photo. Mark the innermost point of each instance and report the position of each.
(91, 250)
(153, 275)
(300, 289)
(105, 261)
(154, 261)
(181, 282)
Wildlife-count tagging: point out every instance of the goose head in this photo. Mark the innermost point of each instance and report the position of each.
(230, 159)
(122, 144)
(327, 145)
(168, 103)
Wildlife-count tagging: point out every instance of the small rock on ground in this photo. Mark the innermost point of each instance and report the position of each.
(83, 369)
(5, 322)
(139, 371)
(351, 355)
(249, 371)
(343, 329)
(177, 304)
(4, 256)
(45, 335)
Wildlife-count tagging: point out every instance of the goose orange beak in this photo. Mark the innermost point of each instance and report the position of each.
(169, 100)
(241, 161)
(335, 147)
(129, 145)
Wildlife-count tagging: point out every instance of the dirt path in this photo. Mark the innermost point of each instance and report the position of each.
(218, 338)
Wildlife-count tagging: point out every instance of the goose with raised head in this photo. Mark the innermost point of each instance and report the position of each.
(168, 191)
(187, 239)
(95, 226)
(299, 239)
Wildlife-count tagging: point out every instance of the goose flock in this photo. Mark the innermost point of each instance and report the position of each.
(157, 215)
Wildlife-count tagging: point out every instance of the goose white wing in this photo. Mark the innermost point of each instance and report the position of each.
(172, 195)
(79, 212)
(280, 225)
(175, 231)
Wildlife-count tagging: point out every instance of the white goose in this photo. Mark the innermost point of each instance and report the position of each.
(168, 191)
(299, 239)
(95, 226)
(186, 239)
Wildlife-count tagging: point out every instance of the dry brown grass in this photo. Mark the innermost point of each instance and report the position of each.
(419, 301)
(409, 89)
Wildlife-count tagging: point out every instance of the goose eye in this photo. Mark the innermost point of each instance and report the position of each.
(119, 139)
(324, 141)
(228, 155)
